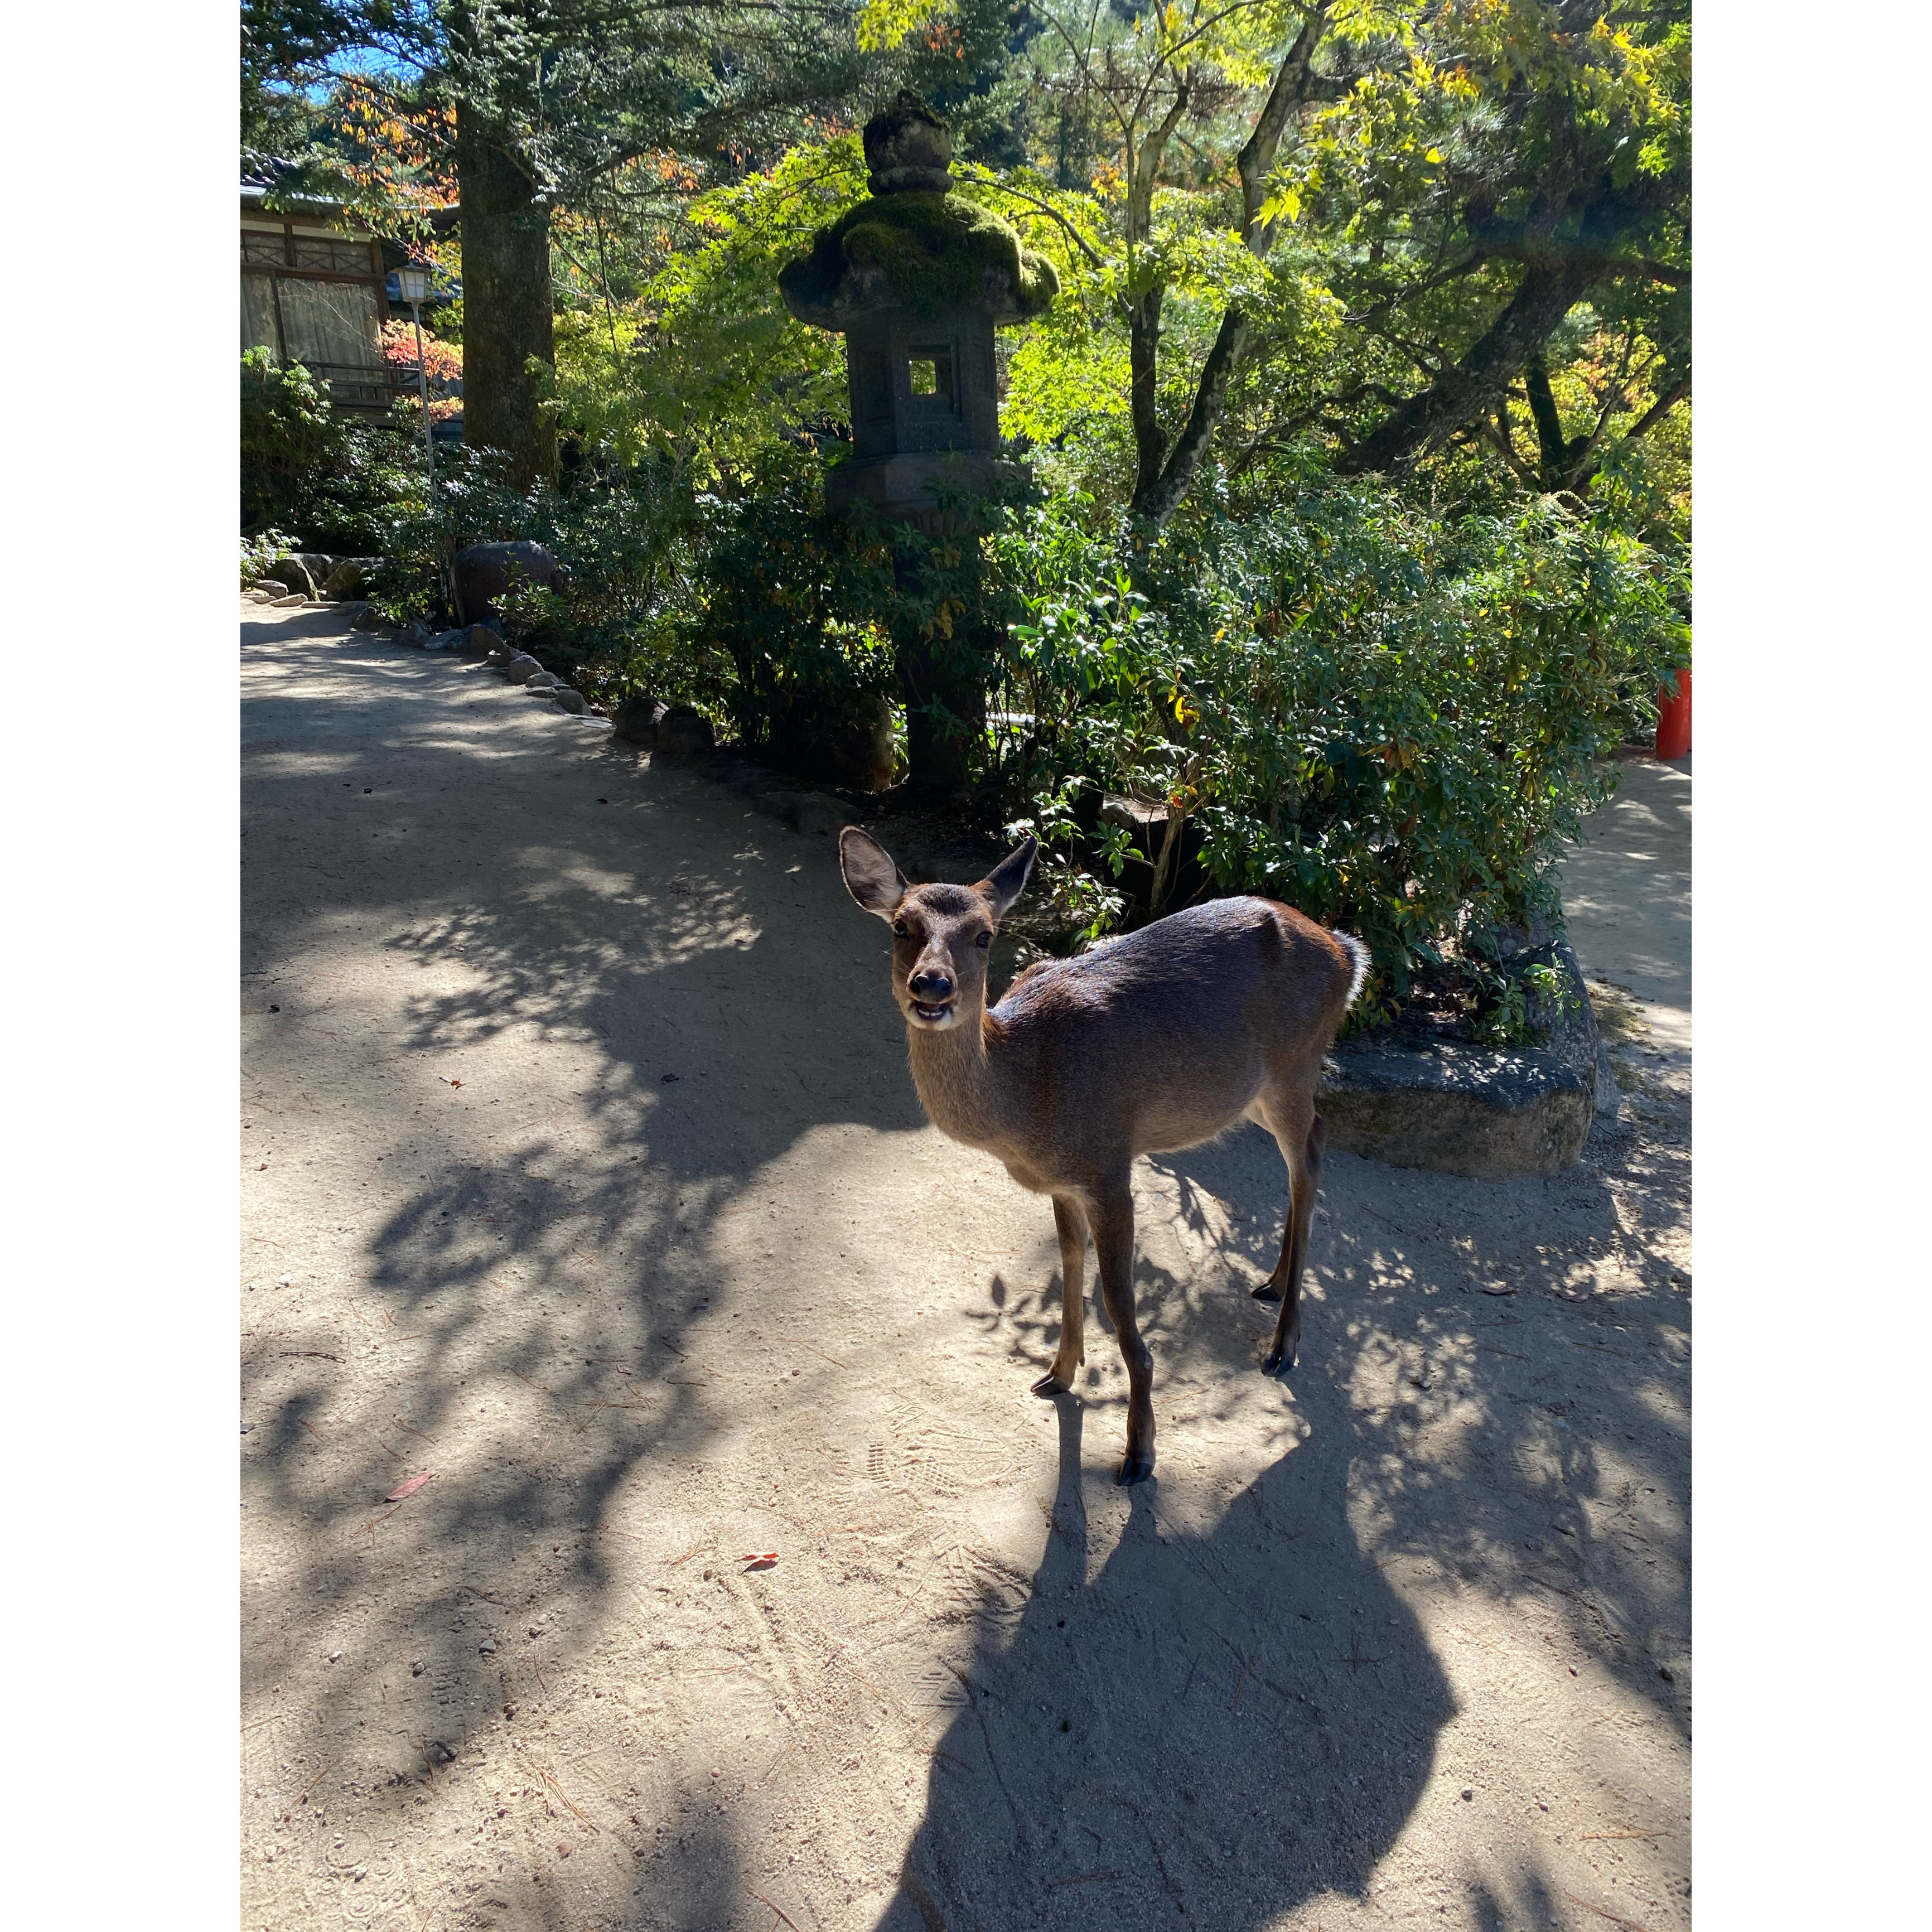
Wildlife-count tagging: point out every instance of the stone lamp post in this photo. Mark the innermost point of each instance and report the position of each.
(917, 279)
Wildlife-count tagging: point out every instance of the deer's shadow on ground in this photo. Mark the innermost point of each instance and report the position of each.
(1144, 1748)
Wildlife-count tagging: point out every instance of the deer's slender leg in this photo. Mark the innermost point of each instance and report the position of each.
(1301, 1141)
(1111, 1211)
(1069, 1218)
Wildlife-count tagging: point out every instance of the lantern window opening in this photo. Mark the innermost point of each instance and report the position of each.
(929, 373)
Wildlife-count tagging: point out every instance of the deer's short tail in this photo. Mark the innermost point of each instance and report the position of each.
(1358, 956)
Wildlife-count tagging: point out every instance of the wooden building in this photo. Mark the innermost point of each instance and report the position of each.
(313, 291)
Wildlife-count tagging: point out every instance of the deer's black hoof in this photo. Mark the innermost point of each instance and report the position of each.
(1268, 1291)
(1049, 1385)
(1137, 1467)
(1276, 1358)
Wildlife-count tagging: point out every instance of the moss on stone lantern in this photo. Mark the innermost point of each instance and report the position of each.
(917, 279)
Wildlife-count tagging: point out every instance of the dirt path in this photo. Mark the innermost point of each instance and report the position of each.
(581, 1167)
(1627, 898)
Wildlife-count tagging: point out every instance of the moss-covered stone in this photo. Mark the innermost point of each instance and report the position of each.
(927, 253)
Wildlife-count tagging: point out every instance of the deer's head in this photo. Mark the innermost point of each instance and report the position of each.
(941, 934)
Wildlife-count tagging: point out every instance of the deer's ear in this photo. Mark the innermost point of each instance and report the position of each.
(1007, 880)
(870, 875)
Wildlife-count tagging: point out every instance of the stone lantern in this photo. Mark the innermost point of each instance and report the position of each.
(917, 279)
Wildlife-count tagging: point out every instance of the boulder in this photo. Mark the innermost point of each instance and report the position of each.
(1566, 1025)
(636, 719)
(367, 618)
(569, 699)
(257, 594)
(447, 640)
(1491, 1113)
(541, 680)
(350, 578)
(481, 572)
(285, 603)
(304, 570)
(355, 611)
(521, 668)
(683, 733)
(414, 632)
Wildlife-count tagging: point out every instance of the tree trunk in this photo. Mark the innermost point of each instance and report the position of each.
(506, 301)
(1143, 372)
(1559, 453)
(1156, 496)
(1161, 478)
(1546, 294)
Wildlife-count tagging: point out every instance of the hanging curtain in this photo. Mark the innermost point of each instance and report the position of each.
(258, 313)
(330, 324)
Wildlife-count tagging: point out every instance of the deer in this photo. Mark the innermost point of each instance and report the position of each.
(1148, 1042)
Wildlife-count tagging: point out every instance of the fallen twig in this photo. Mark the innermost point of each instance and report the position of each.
(550, 1779)
(1589, 1837)
(778, 1909)
(1630, 1925)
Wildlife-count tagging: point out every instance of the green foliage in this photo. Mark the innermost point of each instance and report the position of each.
(700, 366)
(1392, 720)
(337, 485)
(788, 615)
(260, 550)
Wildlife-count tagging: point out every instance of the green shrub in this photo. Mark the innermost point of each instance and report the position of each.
(334, 484)
(1391, 722)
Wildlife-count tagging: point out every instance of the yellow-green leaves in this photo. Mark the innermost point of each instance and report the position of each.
(1284, 205)
(883, 24)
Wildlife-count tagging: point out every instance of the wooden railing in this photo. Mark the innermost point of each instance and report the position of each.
(370, 387)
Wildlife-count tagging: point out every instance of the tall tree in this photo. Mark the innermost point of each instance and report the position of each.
(1458, 174)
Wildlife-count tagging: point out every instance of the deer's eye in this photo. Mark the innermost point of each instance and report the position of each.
(984, 939)
(899, 928)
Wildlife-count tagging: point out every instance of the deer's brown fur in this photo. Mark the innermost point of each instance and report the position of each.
(1153, 1041)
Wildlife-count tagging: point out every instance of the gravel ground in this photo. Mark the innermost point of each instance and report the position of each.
(582, 1172)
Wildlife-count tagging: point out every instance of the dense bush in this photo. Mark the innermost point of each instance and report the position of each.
(1393, 722)
(330, 483)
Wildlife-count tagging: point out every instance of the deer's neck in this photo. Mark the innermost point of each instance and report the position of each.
(957, 1079)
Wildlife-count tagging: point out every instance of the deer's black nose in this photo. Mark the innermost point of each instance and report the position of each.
(932, 987)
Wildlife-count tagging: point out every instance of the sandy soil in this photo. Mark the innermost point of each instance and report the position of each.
(580, 1167)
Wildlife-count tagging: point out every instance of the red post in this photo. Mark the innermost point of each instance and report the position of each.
(1673, 720)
